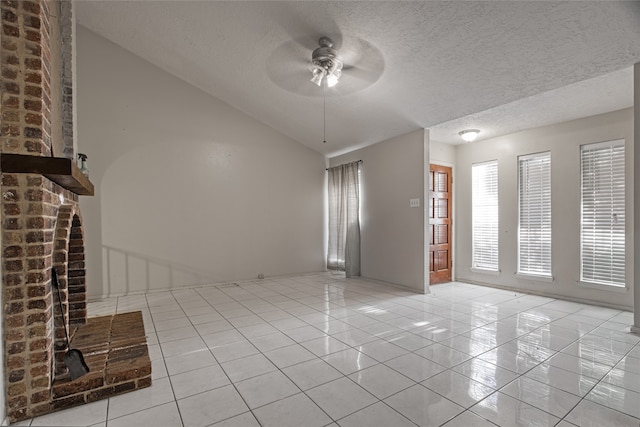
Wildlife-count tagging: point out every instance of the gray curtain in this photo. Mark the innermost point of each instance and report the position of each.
(344, 219)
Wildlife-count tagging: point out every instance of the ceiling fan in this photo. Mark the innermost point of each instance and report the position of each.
(352, 61)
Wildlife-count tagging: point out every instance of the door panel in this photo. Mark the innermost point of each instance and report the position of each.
(440, 224)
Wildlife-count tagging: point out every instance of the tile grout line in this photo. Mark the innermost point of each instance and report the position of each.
(344, 375)
(351, 325)
(302, 287)
(599, 382)
(165, 363)
(347, 375)
(278, 369)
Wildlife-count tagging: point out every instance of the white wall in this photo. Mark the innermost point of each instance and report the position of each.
(188, 189)
(392, 244)
(563, 140)
(442, 154)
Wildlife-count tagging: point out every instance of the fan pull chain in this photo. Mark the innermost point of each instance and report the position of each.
(324, 112)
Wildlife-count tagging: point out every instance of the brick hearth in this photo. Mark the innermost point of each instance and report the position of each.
(115, 349)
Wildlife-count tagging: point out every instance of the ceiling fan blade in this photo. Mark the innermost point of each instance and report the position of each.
(361, 74)
(289, 67)
(363, 62)
(306, 22)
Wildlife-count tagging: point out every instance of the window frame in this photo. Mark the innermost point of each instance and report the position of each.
(546, 228)
(476, 266)
(621, 236)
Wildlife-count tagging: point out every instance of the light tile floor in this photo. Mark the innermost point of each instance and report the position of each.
(321, 350)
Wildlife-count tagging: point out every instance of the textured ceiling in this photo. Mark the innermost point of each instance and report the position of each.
(497, 66)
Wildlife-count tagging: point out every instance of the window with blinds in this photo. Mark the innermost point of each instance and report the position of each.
(602, 222)
(534, 214)
(484, 212)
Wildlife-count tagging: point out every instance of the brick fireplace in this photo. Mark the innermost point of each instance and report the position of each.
(42, 228)
(36, 238)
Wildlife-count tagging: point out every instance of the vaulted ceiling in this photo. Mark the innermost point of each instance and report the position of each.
(496, 66)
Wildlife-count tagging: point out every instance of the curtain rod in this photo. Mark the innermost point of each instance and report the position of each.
(357, 161)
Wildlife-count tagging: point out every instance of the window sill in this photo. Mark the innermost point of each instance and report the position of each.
(485, 271)
(535, 277)
(603, 287)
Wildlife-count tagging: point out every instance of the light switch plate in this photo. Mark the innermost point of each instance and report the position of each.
(414, 203)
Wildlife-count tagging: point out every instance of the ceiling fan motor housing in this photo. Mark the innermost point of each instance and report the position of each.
(324, 55)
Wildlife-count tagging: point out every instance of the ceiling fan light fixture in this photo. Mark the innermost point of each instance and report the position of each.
(318, 75)
(326, 65)
(469, 135)
(335, 67)
(332, 79)
(335, 71)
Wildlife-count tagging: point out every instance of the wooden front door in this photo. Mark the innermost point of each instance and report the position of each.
(440, 224)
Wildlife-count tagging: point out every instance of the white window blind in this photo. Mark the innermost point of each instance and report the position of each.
(602, 222)
(484, 205)
(534, 214)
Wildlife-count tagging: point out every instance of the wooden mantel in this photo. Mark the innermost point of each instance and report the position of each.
(60, 170)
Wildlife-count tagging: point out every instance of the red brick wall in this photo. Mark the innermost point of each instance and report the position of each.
(76, 274)
(26, 86)
(31, 229)
(68, 260)
(34, 234)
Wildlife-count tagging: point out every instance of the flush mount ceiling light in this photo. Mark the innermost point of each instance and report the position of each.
(325, 65)
(469, 134)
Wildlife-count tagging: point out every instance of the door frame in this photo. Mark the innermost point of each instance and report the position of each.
(452, 213)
